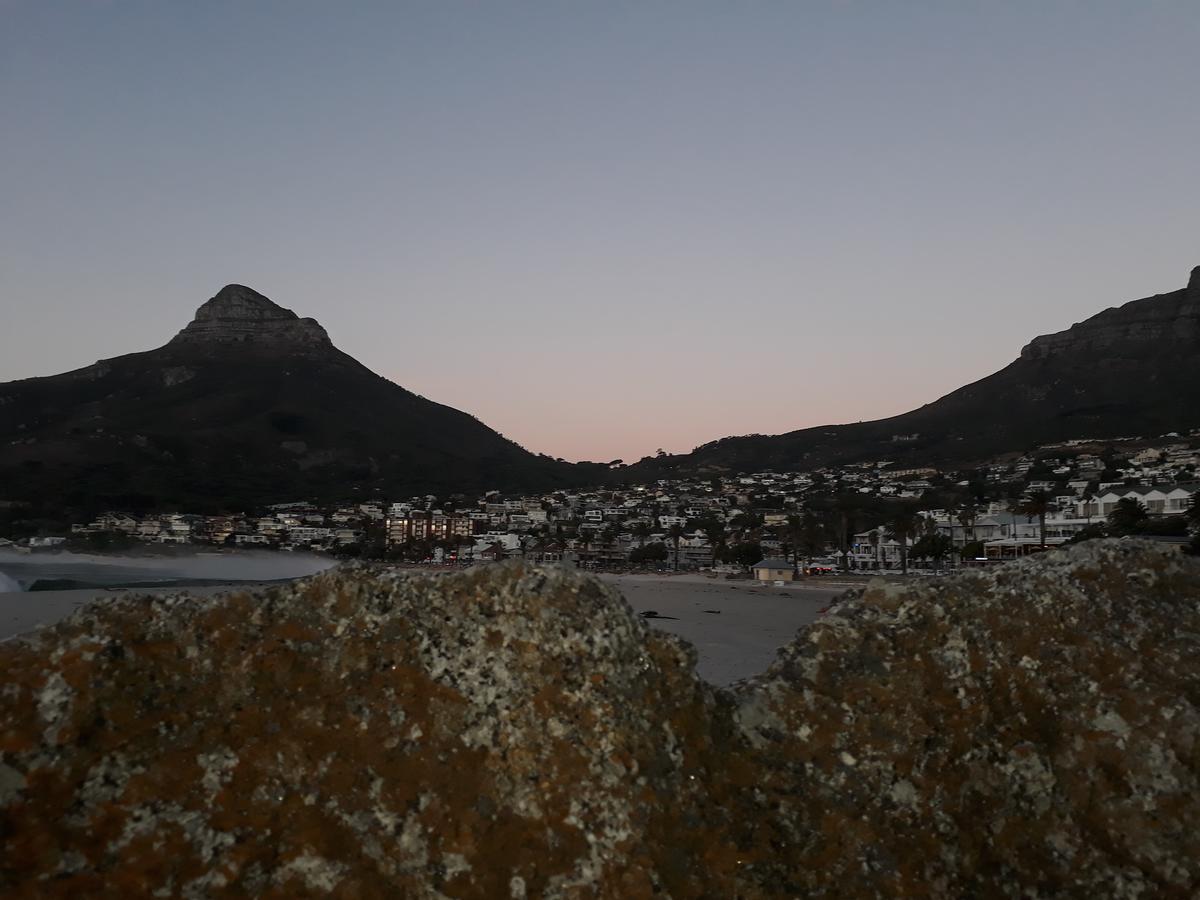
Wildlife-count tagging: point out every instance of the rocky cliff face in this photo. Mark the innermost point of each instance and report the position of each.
(238, 314)
(517, 732)
(1170, 319)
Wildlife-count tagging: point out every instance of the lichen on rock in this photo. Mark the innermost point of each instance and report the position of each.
(362, 734)
(517, 732)
(1030, 731)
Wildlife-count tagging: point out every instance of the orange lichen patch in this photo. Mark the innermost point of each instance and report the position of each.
(77, 664)
(290, 630)
(518, 723)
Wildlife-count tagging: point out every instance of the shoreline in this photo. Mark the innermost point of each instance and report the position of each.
(23, 612)
(736, 627)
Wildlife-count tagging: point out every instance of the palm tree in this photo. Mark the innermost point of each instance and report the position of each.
(873, 537)
(715, 532)
(641, 531)
(1037, 504)
(812, 535)
(588, 539)
(1127, 515)
(675, 532)
(840, 516)
(795, 532)
(611, 532)
(967, 515)
(902, 526)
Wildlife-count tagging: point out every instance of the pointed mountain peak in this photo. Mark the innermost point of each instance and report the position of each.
(238, 314)
(236, 301)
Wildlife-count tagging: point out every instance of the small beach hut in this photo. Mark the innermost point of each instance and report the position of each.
(772, 570)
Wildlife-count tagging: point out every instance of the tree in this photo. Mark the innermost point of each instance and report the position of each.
(1036, 503)
(747, 521)
(931, 545)
(902, 526)
(795, 533)
(655, 552)
(972, 550)
(107, 541)
(1127, 515)
(641, 531)
(840, 525)
(675, 532)
(715, 532)
(588, 539)
(968, 514)
(812, 535)
(747, 553)
(1175, 526)
(611, 532)
(1089, 533)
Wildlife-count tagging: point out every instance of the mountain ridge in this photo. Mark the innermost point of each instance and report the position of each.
(1130, 368)
(250, 403)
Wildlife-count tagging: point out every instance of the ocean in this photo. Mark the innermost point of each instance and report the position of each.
(67, 571)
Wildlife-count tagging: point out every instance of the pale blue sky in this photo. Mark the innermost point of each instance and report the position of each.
(603, 228)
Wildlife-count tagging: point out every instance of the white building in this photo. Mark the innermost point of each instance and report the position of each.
(1159, 500)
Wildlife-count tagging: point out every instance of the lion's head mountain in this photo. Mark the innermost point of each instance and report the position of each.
(248, 403)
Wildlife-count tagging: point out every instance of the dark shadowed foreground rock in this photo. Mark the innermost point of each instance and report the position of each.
(517, 732)
(1032, 731)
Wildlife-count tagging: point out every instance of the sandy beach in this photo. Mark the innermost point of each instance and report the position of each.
(26, 611)
(735, 626)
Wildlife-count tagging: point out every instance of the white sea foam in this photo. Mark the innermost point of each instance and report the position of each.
(8, 585)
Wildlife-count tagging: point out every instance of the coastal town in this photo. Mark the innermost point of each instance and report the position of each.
(866, 517)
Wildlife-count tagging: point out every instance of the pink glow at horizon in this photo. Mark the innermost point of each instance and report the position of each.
(602, 229)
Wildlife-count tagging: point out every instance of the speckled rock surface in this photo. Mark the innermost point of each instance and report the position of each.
(1028, 732)
(508, 733)
(517, 732)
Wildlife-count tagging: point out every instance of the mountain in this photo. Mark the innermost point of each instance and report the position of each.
(1130, 370)
(249, 403)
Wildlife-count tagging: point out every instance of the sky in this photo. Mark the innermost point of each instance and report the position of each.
(602, 228)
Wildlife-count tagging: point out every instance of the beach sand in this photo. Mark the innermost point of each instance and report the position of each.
(750, 623)
(753, 622)
(26, 611)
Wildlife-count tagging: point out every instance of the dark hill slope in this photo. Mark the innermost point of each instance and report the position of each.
(1133, 369)
(248, 404)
